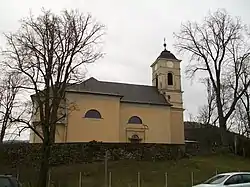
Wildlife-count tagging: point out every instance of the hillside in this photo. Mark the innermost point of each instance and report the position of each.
(124, 173)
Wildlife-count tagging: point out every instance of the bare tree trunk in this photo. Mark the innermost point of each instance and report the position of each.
(222, 121)
(4, 124)
(2, 134)
(44, 167)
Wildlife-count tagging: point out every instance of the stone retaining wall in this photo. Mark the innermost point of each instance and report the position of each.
(71, 153)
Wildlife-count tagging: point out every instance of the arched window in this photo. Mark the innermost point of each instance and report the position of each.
(135, 136)
(135, 139)
(170, 79)
(93, 114)
(135, 120)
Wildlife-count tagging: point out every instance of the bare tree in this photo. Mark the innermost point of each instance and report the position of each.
(244, 114)
(206, 113)
(218, 47)
(50, 52)
(243, 106)
(239, 120)
(9, 89)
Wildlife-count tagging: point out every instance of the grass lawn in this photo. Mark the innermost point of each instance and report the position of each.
(124, 173)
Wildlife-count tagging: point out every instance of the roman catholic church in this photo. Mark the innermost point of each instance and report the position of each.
(121, 112)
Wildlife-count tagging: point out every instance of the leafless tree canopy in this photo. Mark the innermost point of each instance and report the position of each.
(9, 90)
(219, 47)
(50, 51)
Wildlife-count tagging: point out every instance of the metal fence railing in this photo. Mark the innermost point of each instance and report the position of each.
(137, 179)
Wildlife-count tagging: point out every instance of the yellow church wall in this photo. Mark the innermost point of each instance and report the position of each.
(155, 117)
(59, 135)
(80, 129)
(177, 126)
(161, 124)
(61, 112)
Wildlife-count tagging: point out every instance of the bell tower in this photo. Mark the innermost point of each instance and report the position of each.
(166, 76)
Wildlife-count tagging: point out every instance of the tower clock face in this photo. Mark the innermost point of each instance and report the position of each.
(170, 64)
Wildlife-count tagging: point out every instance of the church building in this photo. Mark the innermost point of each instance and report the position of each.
(121, 112)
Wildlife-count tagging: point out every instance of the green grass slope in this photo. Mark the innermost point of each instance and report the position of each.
(125, 173)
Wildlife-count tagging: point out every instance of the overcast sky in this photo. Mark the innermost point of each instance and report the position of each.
(135, 32)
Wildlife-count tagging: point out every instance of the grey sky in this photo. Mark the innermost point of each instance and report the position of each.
(135, 32)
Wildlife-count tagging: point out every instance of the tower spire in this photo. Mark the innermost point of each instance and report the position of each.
(164, 44)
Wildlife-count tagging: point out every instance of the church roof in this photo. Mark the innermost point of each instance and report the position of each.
(167, 54)
(130, 93)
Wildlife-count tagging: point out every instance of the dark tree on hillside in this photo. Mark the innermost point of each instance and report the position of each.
(219, 47)
(50, 51)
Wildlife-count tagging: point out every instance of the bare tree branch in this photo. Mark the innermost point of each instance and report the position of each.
(49, 52)
(218, 46)
(8, 100)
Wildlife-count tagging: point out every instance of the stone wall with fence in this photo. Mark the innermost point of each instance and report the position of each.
(204, 141)
(71, 153)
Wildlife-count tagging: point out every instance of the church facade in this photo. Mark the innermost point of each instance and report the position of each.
(120, 112)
